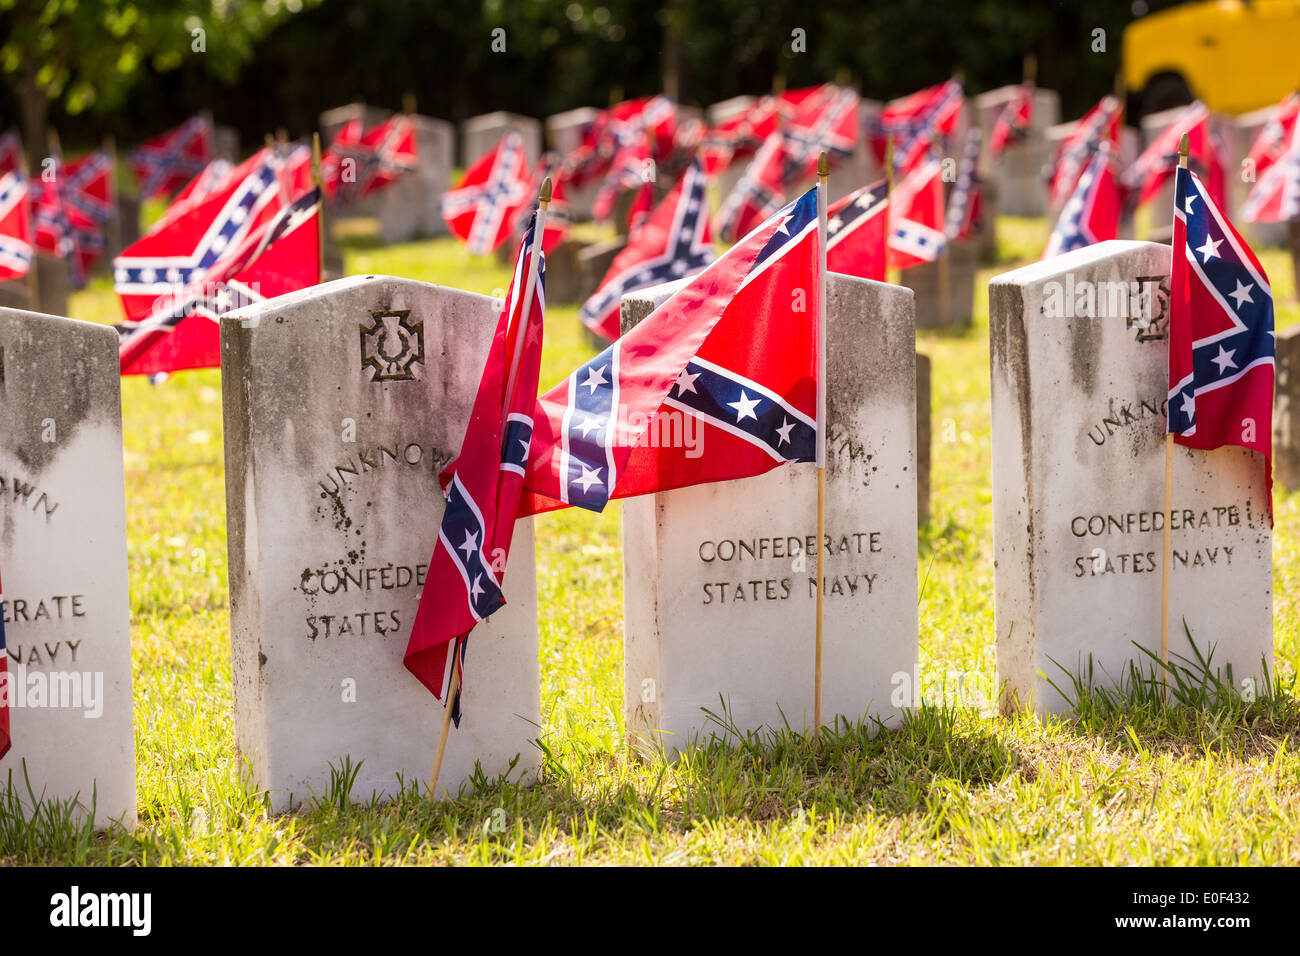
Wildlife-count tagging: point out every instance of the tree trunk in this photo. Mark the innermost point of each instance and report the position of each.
(35, 108)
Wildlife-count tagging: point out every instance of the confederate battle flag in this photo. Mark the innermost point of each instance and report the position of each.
(727, 349)
(916, 225)
(170, 160)
(15, 227)
(483, 487)
(855, 232)
(672, 243)
(1014, 120)
(1221, 349)
(1101, 124)
(1092, 214)
(242, 245)
(482, 208)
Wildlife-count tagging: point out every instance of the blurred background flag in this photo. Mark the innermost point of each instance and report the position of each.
(167, 162)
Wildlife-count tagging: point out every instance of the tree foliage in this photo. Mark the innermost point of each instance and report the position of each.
(128, 66)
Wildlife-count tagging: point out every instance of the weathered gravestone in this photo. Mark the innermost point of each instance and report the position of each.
(594, 261)
(63, 561)
(1079, 356)
(53, 284)
(342, 404)
(412, 206)
(16, 294)
(478, 134)
(122, 231)
(564, 279)
(923, 440)
(565, 132)
(1286, 414)
(718, 580)
(950, 304)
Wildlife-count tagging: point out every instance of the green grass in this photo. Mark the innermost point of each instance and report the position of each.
(1125, 781)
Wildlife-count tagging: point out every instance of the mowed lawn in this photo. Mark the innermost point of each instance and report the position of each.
(956, 784)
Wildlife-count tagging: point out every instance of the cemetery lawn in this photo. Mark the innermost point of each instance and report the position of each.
(1138, 784)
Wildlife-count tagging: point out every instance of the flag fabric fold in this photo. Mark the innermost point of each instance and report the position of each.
(1011, 128)
(916, 221)
(965, 204)
(1092, 214)
(917, 124)
(244, 244)
(15, 227)
(1275, 197)
(1221, 347)
(672, 243)
(856, 231)
(1101, 124)
(1273, 140)
(1154, 168)
(483, 487)
(731, 357)
(360, 162)
(171, 159)
(482, 207)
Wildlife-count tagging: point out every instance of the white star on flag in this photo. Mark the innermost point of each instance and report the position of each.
(595, 378)
(587, 425)
(686, 382)
(1242, 293)
(469, 545)
(476, 589)
(589, 478)
(1224, 359)
(784, 431)
(1211, 248)
(744, 407)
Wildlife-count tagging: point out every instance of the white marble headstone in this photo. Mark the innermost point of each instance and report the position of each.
(63, 565)
(342, 404)
(718, 601)
(565, 132)
(478, 134)
(1078, 486)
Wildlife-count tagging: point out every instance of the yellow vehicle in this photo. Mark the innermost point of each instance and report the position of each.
(1236, 55)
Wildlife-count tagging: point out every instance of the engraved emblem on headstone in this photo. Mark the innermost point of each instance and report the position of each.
(392, 346)
(1151, 313)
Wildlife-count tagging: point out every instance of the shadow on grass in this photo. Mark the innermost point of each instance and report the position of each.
(1185, 706)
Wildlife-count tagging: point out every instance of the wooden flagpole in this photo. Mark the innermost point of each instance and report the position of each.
(1165, 559)
(823, 171)
(945, 274)
(320, 207)
(521, 329)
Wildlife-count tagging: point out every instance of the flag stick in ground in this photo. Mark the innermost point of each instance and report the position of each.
(945, 277)
(1165, 563)
(823, 169)
(320, 207)
(521, 327)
